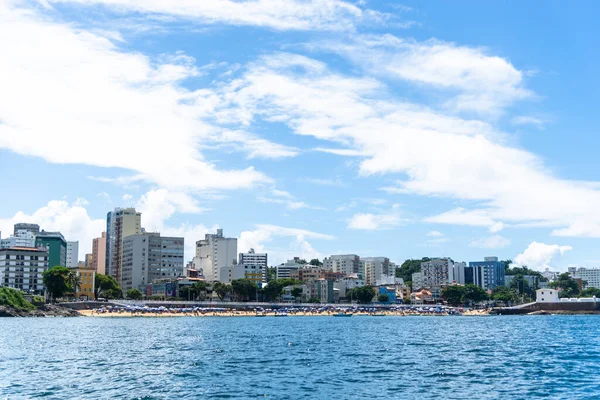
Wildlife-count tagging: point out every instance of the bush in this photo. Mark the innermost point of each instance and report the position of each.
(14, 298)
(383, 298)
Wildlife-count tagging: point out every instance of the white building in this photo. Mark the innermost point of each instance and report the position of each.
(589, 275)
(417, 281)
(346, 264)
(252, 263)
(375, 269)
(437, 272)
(459, 272)
(285, 270)
(22, 268)
(214, 253)
(72, 254)
(546, 296)
(20, 238)
(148, 257)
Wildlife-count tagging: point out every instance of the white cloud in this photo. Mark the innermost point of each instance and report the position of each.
(287, 199)
(72, 221)
(435, 234)
(437, 155)
(276, 14)
(105, 196)
(299, 246)
(324, 182)
(492, 242)
(528, 120)
(127, 197)
(371, 222)
(538, 256)
(76, 81)
(475, 80)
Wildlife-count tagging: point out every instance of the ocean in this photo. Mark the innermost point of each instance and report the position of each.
(495, 357)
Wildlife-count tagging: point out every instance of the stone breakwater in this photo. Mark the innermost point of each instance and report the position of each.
(46, 310)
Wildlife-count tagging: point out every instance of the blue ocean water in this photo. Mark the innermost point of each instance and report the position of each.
(301, 357)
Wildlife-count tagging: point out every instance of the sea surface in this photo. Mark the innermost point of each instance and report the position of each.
(497, 357)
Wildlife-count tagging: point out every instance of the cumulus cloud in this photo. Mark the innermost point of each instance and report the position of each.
(371, 222)
(528, 120)
(72, 220)
(287, 199)
(539, 256)
(435, 234)
(492, 242)
(299, 245)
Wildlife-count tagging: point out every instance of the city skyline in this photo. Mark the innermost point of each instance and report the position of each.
(446, 137)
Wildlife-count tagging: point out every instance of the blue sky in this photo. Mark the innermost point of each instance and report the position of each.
(459, 129)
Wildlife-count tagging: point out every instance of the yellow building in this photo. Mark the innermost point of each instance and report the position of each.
(87, 277)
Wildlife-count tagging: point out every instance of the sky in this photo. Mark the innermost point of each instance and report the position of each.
(308, 128)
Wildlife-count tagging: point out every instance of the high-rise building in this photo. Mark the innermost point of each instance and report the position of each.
(286, 270)
(99, 254)
(57, 247)
(252, 264)
(215, 252)
(375, 269)
(589, 275)
(120, 223)
(23, 236)
(22, 268)
(148, 257)
(487, 274)
(344, 263)
(72, 254)
(33, 228)
(437, 272)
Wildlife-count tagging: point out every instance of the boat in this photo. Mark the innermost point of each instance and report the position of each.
(281, 315)
(377, 315)
(342, 315)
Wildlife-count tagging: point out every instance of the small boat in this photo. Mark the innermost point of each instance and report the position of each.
(281, 315)
(377, 315)
(342, 315)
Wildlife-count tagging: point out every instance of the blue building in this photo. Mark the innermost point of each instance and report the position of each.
(391, 292)
(487, 274)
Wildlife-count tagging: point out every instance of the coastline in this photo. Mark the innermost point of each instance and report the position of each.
(46, 310)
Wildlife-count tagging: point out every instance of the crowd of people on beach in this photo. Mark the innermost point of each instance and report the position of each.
(327, 310)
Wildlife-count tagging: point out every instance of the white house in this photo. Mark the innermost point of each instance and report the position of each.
(546, 296)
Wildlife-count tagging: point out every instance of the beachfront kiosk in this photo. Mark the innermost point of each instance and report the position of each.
(546, 296)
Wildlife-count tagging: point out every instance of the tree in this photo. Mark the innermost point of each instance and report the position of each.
(221, 289)
(314, 300)
(74, 282)
(134, 294)
(200, 289)
(590, 292)
(301, 261)
(244, 289)
(383, 298)
(454, 294)
(567, 285)
(56, 281)
(316, 262)
(297, 292)
(274, 288)
(363, 294)
(271, 274)
(474, 293)
(105, 283)
(409, 267)
(504, 294)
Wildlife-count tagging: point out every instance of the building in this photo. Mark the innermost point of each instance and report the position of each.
(72, 254)
(375, 269)
(347, 283)
(56, 245)
(120, 223)
(423, 296)
(417, 280)
(22, 268)
(437, 272)
(307, 272)
(589, 275)
(389, 291)
(546, 296)
(215, 252)
(148, 257)
(346, 264)
(23, 236)
(252, 261)
(286, 270)
(87, 279)
(533, 281)
(99, 254)
(459, 273)
(487, 274)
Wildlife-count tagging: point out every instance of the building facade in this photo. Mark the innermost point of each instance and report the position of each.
(99, 254)
(344, 263)
(589, 275)
(375, 269)
(487, 274)
(253, 263)
(72, 254)
(22, 268)
(56, 245)
(215, 252)
(286, 270)
(120, 223)
(87, 279)
(23, 236)
(148, 257)
(437, 272)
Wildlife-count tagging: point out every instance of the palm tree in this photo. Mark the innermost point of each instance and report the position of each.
(74, 281)
(199, 289)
